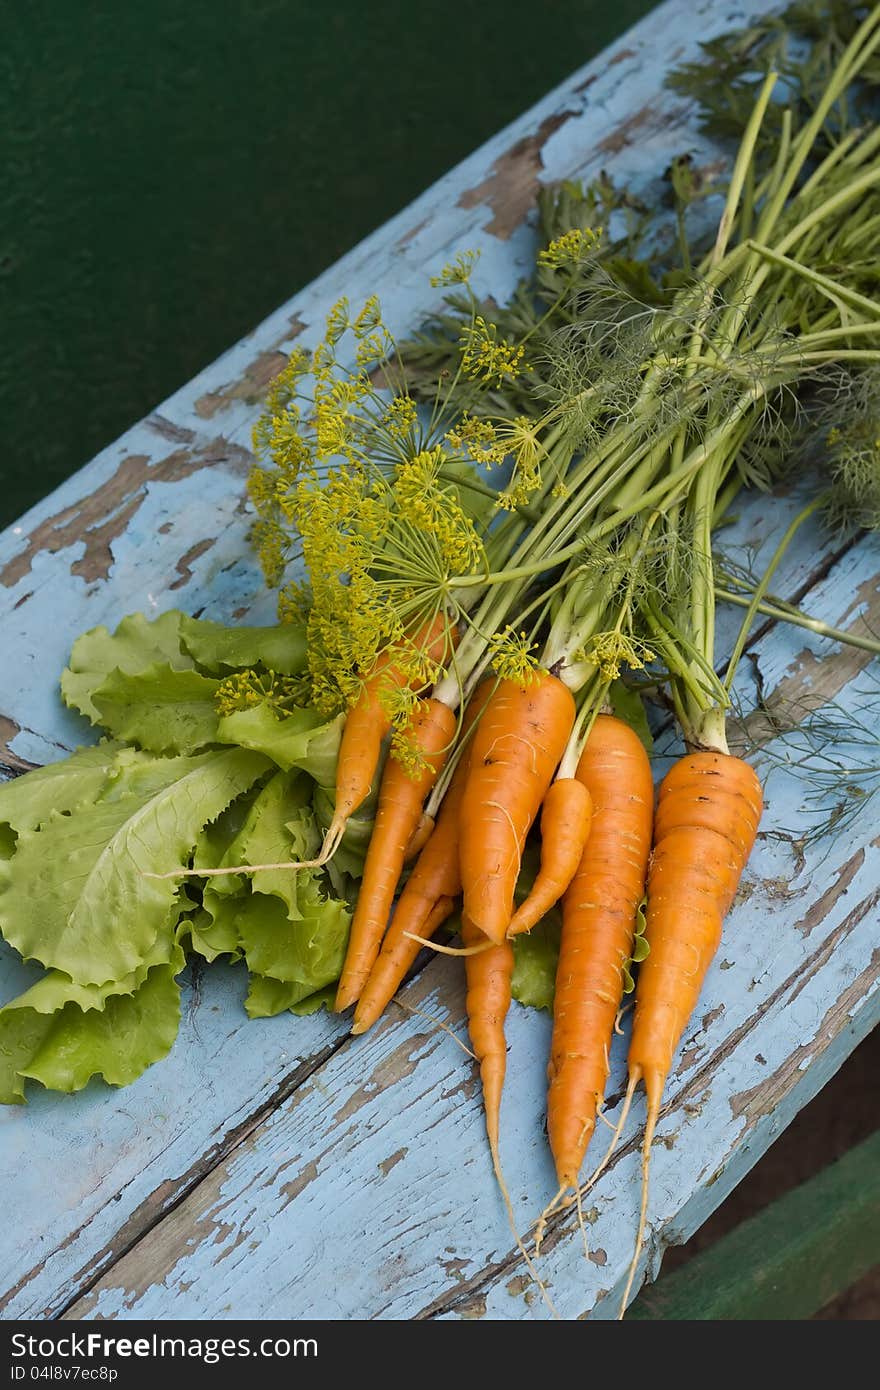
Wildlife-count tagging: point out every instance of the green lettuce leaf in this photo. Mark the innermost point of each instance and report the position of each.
(29, 800)
(161, 709)
(214, 931)
(118, 1043)
(54, 1033)
(281, 649)
(301, 739)
(137, 643)
(75, 895)
(278, 828)
(307, 952)
(267, 998)
(535, 954)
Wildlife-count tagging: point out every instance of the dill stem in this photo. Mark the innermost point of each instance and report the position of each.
(787, 613)
(761, 588)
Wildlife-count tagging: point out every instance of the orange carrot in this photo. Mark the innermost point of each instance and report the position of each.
(489, 975)
(367, 723)
(435, 879)
(598, 924)
(707, 818)
(400, 802)
(565, 827)
(420, 836)
(516, 750)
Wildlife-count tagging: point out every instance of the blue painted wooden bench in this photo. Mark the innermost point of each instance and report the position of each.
(280, 1168)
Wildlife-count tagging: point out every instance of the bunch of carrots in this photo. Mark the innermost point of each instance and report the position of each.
(482, 629)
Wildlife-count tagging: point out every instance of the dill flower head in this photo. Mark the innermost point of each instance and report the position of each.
(486, 357)
(433, 509)
(568, 249)
(514, 656)
(458, 272)
(611, 651)
(247, 689)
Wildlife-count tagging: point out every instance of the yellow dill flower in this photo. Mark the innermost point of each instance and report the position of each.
(270, 544)
(247, 689)
(294, 603)
(400, 417)
(486, 357)
(434, 510)
(513, 656)
(262, 491)
(479, 438)
(610, 651)
(337, 321)
(519, 438)
(374, 348)
(457, 272)
(370, 317)
(569, 248)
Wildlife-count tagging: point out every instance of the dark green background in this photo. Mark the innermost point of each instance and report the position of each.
(175, 169)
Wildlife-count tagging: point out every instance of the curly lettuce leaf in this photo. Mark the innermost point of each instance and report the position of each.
(278, 829)
(216, 648)
(307, 952)
(29, 800)
(75, 895)
(161, 709)
(137, 643)
(61, 1034)
(118, 1043)
(213, 932)
(268, 998)
(302, 739)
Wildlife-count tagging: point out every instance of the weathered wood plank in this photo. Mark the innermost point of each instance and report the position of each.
(280, 1230)
(790, 1259)
(157, 520)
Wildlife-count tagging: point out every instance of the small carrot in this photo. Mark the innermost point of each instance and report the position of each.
(566, 817)
(517, 747)
(707, 818)
(598, 923)
(420, 836)
(401, 795)
(489, 978)
(367, 723)
(435, 879)
(489, 975)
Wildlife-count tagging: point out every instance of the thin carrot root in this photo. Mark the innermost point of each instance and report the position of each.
(582, 1223)
(615, 1137)
(650, 1125)
(438, 1023)
(557, 1201)
(511, 1219)
(451, 950)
